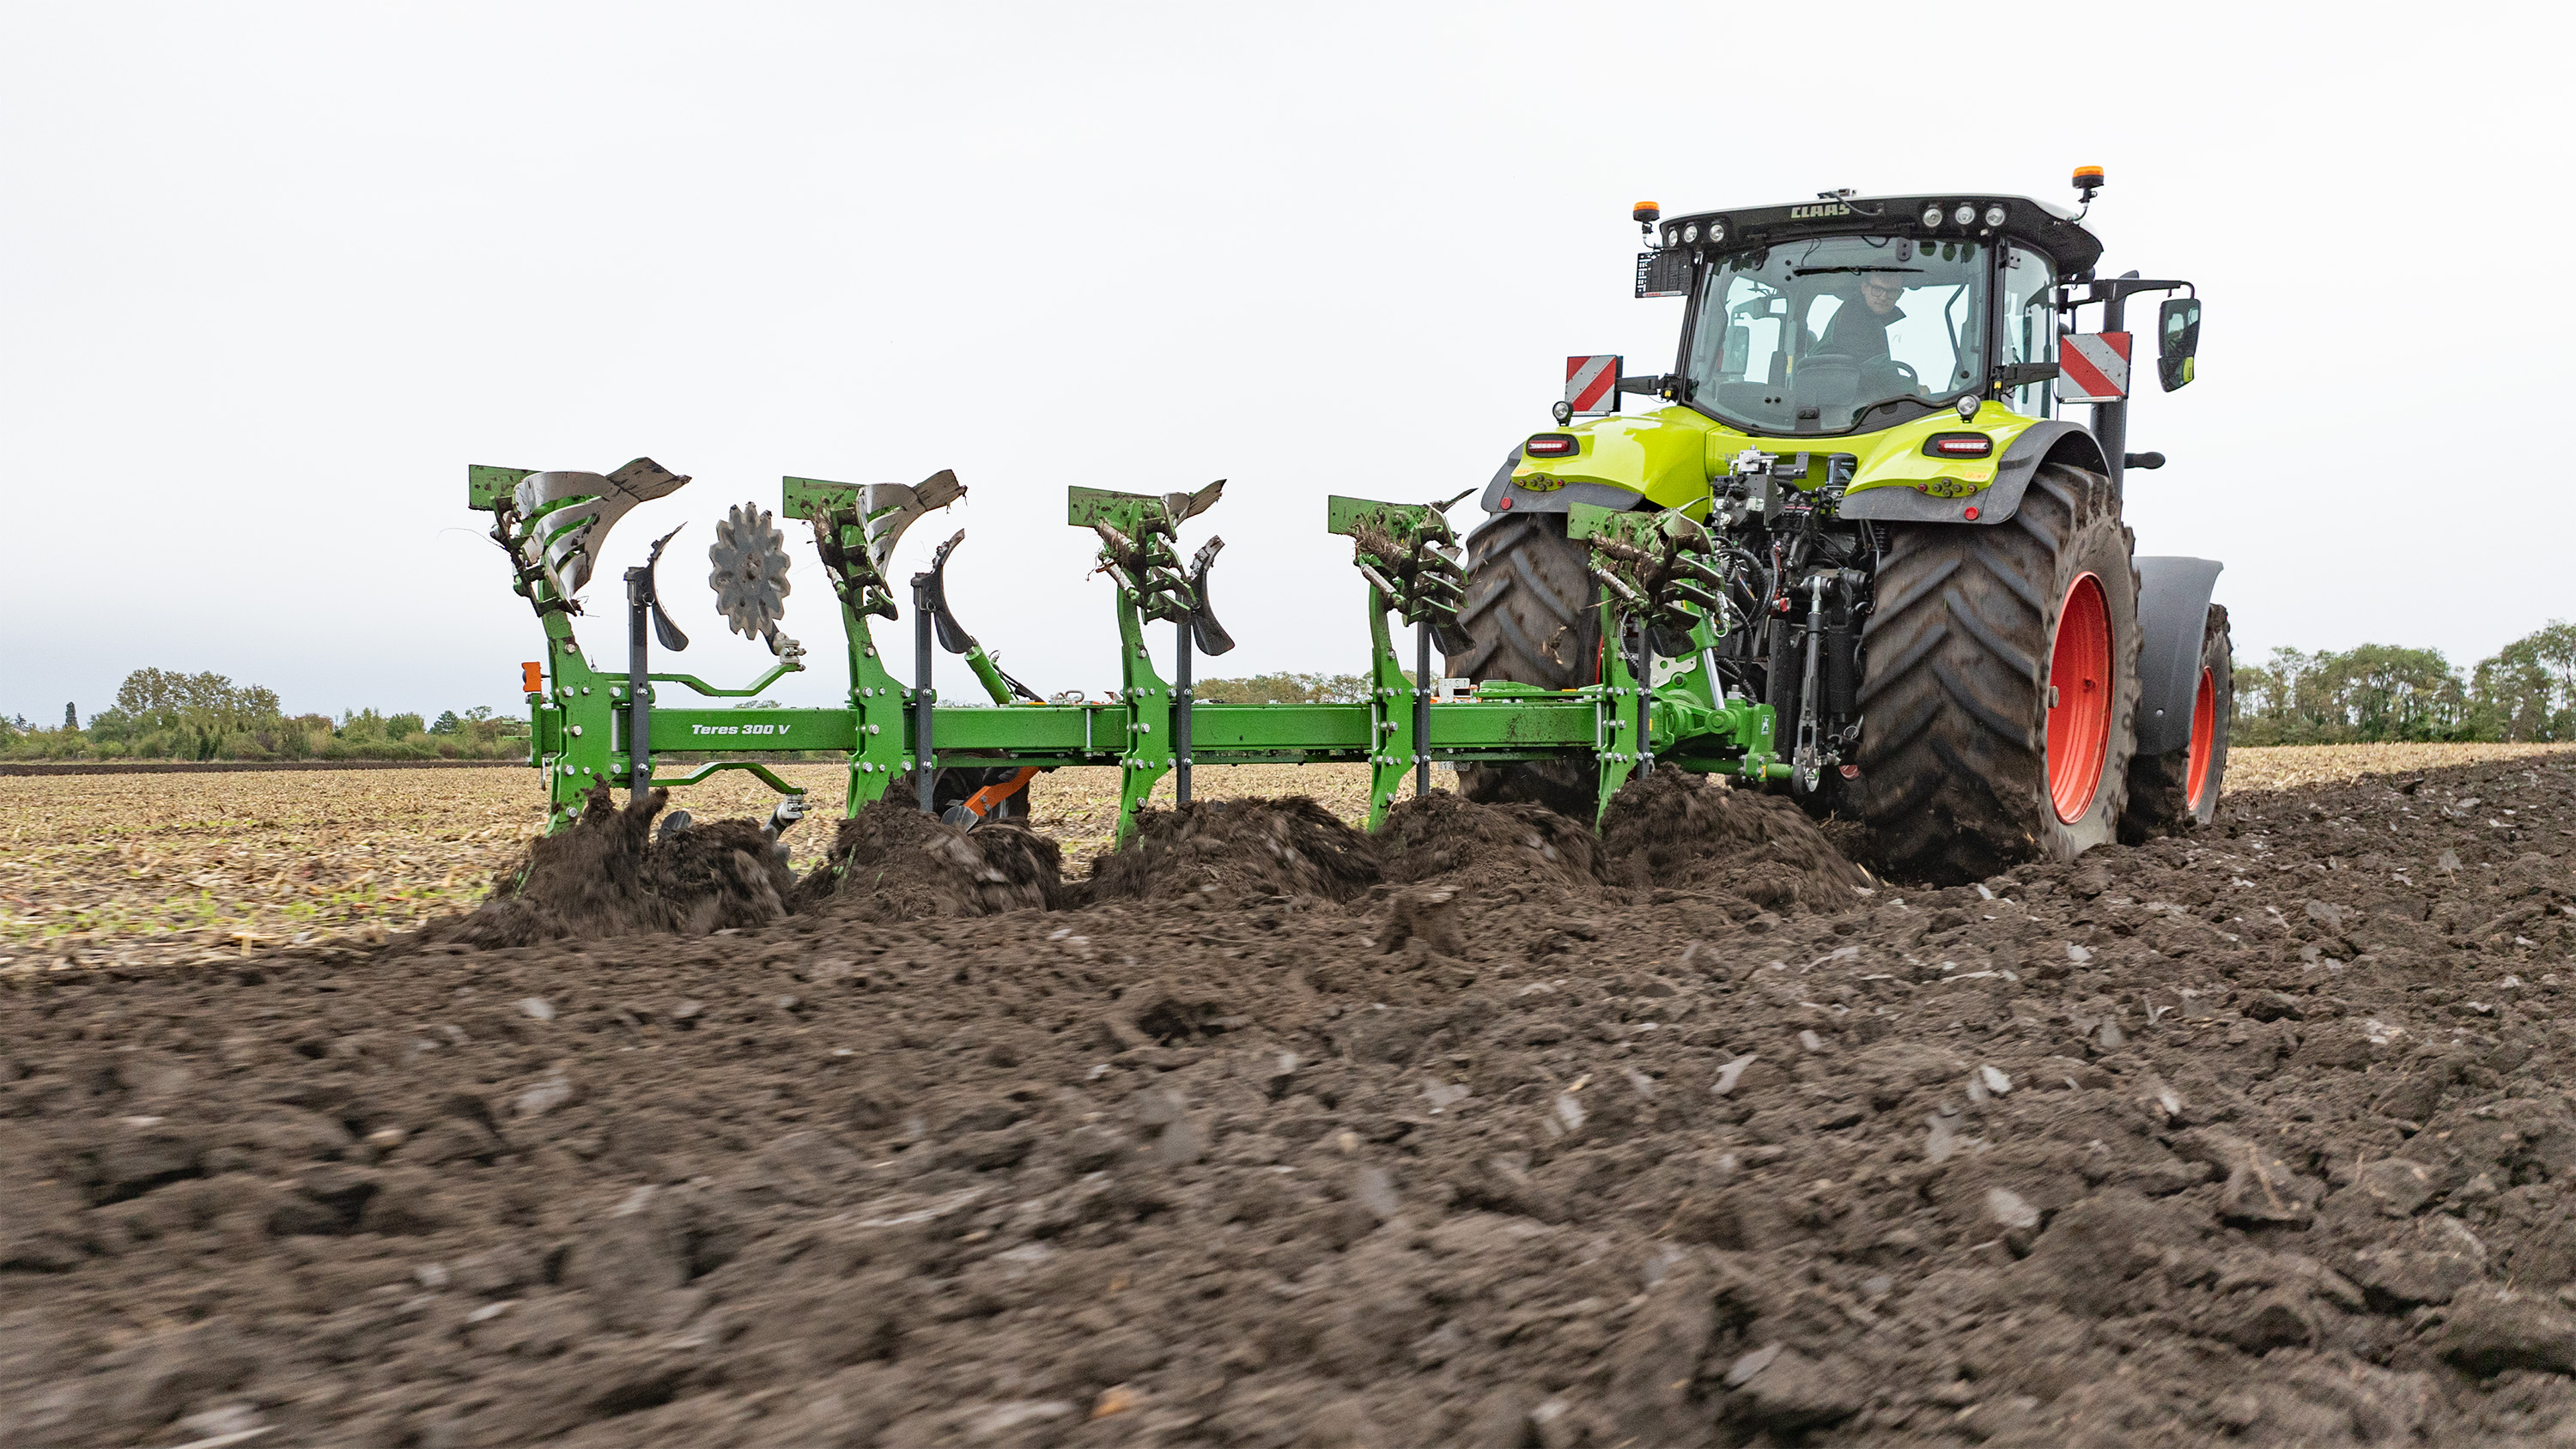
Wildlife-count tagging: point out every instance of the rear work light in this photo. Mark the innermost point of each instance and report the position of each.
(1552, 445)
(1959, 445)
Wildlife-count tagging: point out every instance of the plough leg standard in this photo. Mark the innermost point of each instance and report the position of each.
(1659, 701)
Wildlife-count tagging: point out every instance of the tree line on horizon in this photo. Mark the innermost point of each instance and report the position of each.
(161, 714)
(2376, 693)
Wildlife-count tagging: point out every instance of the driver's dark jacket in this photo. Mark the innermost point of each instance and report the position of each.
(1857, 332)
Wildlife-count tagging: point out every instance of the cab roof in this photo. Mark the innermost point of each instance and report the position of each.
(1930, 217)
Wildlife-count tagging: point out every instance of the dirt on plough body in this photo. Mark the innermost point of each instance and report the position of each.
(2256, 1136)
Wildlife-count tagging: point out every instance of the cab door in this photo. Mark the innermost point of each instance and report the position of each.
(2028, 325)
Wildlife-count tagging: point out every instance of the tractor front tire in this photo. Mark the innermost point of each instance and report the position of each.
(1532, 618)
(2178, 790)
(2001, 694)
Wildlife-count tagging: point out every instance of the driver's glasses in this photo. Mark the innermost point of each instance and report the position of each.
(1883, 291)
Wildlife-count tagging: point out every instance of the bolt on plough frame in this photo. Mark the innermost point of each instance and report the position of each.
(1658, 700)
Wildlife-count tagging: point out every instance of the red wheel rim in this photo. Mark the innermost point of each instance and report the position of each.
(2204, 734)
(2079, 706)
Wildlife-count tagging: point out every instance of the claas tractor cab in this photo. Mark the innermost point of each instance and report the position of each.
(1874, 406)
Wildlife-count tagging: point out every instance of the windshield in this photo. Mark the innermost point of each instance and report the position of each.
(1835, 333)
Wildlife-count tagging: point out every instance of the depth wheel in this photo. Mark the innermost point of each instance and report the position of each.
(2179, 789)
(2002, 687)
(1530, 615)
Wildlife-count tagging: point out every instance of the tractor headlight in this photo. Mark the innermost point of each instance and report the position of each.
(1672, 234)
(1995, 214)
(1932, 214)
(1966, 215)
(1690, 233)
(1716, 232)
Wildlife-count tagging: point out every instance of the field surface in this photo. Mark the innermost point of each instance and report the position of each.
(1487, 1131)
(104, 869)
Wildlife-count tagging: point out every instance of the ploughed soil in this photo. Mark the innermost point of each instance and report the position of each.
(1484, 1131)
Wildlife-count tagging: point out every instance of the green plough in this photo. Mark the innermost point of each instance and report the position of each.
(1658, 702)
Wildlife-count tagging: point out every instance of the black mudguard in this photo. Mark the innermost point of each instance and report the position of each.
(1995, 502)
(1501, 497)
(2173, 611)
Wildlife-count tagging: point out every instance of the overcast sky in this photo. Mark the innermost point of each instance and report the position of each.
(272, 276)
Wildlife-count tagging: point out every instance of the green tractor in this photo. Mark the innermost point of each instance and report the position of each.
(1958, 645)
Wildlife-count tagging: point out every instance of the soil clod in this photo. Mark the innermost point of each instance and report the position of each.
(609, 875)
(1238, 850)
(890, 862)
(1676, 829)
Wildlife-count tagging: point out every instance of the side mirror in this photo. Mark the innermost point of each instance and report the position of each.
(1670, 386)
(2178, 334)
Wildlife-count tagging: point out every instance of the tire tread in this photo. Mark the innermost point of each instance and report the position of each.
(1953, 770)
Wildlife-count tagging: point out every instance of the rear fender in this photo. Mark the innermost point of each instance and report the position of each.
(2173, 615)
(2047, 441)
(1501, 496)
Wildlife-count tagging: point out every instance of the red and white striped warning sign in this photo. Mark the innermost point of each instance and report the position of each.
(2093, 367)
(1592, 385)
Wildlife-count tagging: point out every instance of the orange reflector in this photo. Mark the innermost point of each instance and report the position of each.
(532, 677)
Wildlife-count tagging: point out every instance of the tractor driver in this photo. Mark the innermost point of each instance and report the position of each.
(1859, 331)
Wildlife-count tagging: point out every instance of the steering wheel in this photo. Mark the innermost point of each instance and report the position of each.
(1899, 378)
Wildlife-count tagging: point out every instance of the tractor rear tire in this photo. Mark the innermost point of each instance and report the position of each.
(1966, 766)
(2178, 790)
(1531, 615)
